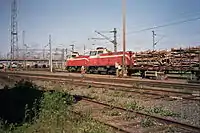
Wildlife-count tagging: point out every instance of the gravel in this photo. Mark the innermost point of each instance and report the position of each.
(188, 111)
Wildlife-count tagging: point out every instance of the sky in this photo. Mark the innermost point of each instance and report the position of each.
(74, 21)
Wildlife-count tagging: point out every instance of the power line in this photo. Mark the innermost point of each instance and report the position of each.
(183, 15)
(114, 40)
(165, 25)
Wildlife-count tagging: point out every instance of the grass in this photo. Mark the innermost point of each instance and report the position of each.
(161, 111)
(112, 112)
(153, 110)
(52, 114)
(147, 122)
(129, 116)
(134, 106)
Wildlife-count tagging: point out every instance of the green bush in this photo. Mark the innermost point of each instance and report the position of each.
(54, 115)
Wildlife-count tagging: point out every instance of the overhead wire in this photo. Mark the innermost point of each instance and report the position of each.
(179, 16)
(165, 25)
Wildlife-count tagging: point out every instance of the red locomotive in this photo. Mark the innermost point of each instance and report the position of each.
(99, 61)
(157, 62)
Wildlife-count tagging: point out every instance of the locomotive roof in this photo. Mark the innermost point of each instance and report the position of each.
(75, 52)
(100, 48)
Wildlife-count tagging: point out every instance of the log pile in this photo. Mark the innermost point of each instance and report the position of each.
(151, 58)
(184, 58)
(174, 59)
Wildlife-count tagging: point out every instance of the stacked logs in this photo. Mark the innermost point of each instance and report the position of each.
(151, 60)
(174, 59)
(185, 59)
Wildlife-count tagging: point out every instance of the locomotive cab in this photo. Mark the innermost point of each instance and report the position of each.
(74, 55)
(98, 51)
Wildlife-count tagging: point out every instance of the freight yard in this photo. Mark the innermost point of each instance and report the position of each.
(124, 105)
(62, 86)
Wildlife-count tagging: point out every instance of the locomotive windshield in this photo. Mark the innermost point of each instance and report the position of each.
(100, 52)
(92, 53)
(73, 56)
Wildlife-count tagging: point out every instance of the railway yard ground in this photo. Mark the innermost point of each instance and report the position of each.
(123, 105)
(99, 66)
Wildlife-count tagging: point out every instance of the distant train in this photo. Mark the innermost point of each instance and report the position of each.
(4, 65)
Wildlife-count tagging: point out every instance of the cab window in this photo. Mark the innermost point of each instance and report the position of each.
(100, 52)
(73, 56)
(92, 53)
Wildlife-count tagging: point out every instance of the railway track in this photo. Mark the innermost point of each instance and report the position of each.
(153, 93)
(136, 82)
(161, 124)
(170, 76)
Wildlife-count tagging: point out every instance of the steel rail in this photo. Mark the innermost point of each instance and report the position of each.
(152, 83)
(183, 125)
(139, 91)
(104, 123)
(180, 124)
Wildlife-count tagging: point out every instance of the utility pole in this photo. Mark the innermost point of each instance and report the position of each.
(63, 58)
(115, 39)
(124, 35)
(44, 51)
(93, 46)
(72, 45)
(66, 52)
(14, 32)
(199, 59)
(84, 50)
(23, 37)
(154, 44)
(50, 62)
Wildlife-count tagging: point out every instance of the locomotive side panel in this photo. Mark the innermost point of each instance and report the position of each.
(93, 61)
(77, 62)
(108, 60)
(111, 59)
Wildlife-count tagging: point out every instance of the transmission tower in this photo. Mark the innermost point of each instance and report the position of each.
(14, 33)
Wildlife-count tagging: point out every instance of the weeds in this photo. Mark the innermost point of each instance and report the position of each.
(104, 90)
(147, 122)
(170, 130)
(155, 110)
(116, 93)
(129, 116)
(89, 86)
(92, 90)
(110, 100)
(51, 113)
(114, 113)
(162, 112)
(134, 106)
